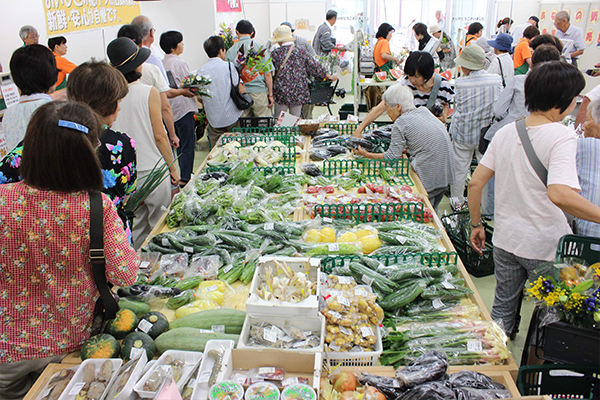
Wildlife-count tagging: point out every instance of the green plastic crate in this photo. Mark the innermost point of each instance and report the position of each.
(269, 130)
(369, 168)
(427, 259)
(281, 170)
(584, 247)
(346, 129)
(244, 140)
(561, 381)
(379, 212)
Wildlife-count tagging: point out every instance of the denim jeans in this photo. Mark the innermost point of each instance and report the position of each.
(184, 128)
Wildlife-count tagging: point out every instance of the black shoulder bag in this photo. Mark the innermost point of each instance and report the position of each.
(483, 142)
(106, 306)
(242, 101)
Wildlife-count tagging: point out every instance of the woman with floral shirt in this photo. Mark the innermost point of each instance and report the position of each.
(101, 87)
(48, 291)
(290, 85)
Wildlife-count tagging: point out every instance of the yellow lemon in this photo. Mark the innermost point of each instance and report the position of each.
(365, 232)
(347, 237)
(327, 235)
(312, 236)
(370, 243)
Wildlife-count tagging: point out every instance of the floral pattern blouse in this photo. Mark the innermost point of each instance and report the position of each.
(47, 287)
(118, 160)
(290, 85)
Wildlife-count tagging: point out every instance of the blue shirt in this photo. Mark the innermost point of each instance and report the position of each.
(588, 160)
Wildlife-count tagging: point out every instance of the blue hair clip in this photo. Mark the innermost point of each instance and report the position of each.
(73, 125)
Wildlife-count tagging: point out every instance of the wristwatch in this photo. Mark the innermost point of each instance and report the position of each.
(476, 225)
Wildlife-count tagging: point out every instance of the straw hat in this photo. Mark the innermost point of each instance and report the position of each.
(282, 34)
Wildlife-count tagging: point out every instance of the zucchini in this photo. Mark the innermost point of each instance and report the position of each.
(401, 297)
(188, 283)
(379, 281)
(232, 319)
(163, 250)
(415, 273)
(443, 291)
(138, 307)
(372, 263)
(189, 339)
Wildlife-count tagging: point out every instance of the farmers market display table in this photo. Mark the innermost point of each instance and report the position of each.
(44, 378)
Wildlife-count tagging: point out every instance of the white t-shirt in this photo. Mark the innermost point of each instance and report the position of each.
(526, 222)
(594, 94)
(152, 76)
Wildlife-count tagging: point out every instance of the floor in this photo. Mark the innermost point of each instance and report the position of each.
(485, 286)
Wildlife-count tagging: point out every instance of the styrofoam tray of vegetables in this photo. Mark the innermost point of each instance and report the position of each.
(175, 363)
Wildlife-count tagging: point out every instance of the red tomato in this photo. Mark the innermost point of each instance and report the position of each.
(329, 189)
(406, 188)
(379, 189)
(313, 189)
(362, 190)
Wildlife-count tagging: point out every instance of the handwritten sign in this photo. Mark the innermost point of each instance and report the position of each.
(64, 16)
(229, 6)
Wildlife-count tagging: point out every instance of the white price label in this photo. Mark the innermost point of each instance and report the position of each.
(144, 264)
(136, 353)
(437, 304)
(367, 331)
(334, 347)
(269, 226)
(327, 219)
(270, 335)
(266, 370)
(333, 247)
(301, 344)
(346, 331)
(188, 249)
(192, 383)
(218, 328)
(165, 242)
(212, 288)
(205, 330)
(335, 314)
(290, 381)
(401, 239)
(287, 339)
(448, 285)
(474, 345)
(205, 376)
(345, 280)
(145, 325)
(343, 301)
(76, 388)
(361, 292)
(367, 280)
(228, 268)
(239, 378)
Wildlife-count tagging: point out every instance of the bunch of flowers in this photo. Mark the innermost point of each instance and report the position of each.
(228, 35)
(253, 62)
(578, 300)
(197, 84)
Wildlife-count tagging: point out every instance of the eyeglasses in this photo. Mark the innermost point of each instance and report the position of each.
(35, 36)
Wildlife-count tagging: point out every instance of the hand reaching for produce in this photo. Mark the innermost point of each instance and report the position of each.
(331, 77)
(478, 239)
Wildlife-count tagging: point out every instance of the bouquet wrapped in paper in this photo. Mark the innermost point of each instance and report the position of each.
(252, 63)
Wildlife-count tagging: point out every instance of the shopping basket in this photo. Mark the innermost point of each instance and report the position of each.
(560, 381)
(586, 248)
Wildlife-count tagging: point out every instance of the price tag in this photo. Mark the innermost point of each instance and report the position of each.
(145, 325)
(76, 388)
(437, 304)
(212, 288)
(334, 347)
(188, 249)
(333, 247)
(287, 339)
(192, 383)
(361, 292)
(270, 336)
(448, 285)
(367, 280)
(228, 268)
(327, 219)
(218, 328)
(396, 383)
(205, 376)
(346, 331)
(46, 393)
(335, 314)
(290, 381)
(474, 346)
(239, 378)
(302, 344)
(266, 370)
(10, 94)
(144, 264)
(343, 301)
(277, 331)
(165, 242)
(205, 330)
(345, 280)
(269, 226)
(367, 331)
(135, 353)
(401, 239)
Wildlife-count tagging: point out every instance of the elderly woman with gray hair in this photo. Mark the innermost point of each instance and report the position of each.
(588, 159)
(424, 138)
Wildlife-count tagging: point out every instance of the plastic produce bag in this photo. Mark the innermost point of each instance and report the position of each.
(388, 386)
(430, 366)
(438, 390)
(174, 264)
(205, 266)
(472, 385)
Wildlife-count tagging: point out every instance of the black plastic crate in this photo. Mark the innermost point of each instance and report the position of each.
(458, 227)
(560, 381)
(565, 343)
(584, 247)
(260, 122)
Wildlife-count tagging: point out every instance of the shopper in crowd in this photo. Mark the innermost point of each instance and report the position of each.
(518, 30)
(29, 35)
(522, 54)
(490, 55)
(511, 106)
(33, 70)
(546, 39)
(58, 45)
(184, 108)
(503, 64)
(588, 160)
(504, 25)
(102, 87)
(474, 32)
(292, 69)
(446, 47)
(323, 43)
(152, 76)
(49, 291)
(424, 137)
(300, 41)
(530, 216)
(420, 79)
(140, 118)
(221, 112)
(147, 28)
(384, 60)
(476, 93)
(592, 95)
(564, 30)
(260, 88)
(440, 21)
(422, 35)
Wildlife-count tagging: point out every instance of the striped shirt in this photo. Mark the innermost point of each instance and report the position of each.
(426, 140)
(445, 94)
(474, 105)
(588, 159)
